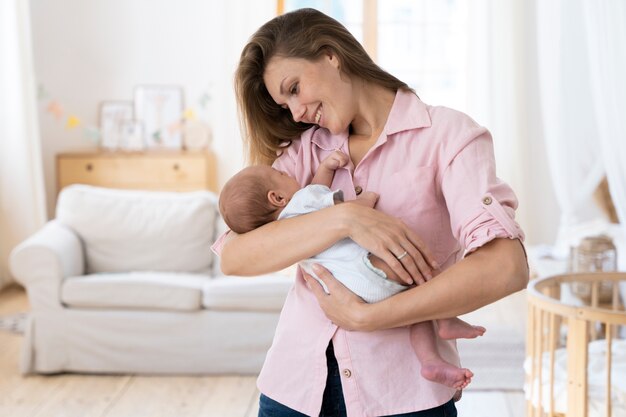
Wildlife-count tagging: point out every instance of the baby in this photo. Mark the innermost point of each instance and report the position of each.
(258, 195)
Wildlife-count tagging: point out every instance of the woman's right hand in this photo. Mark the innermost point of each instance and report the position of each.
(390, 238)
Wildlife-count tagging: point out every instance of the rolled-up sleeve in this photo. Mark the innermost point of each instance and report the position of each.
(481, 206)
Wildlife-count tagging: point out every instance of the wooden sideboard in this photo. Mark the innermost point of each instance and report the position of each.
(162, 171)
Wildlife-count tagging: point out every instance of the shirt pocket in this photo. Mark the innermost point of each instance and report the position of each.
(412, 196)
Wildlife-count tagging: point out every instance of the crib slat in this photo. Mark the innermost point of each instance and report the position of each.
(530, 349)
(594, 304)
(537, 363)
(540, 350)
(609, 356)
(577, 375)
(615, 303)
(551, 349)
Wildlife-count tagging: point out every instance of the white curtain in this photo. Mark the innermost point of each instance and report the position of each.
(503, 95)
(582, 57)
(569, 118)
(22, 196)
(605, 24)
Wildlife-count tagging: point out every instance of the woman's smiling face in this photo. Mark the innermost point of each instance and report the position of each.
(315, 92)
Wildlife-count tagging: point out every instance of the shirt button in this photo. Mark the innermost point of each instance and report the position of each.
(347, 373)
(487, 201)
(358, 189)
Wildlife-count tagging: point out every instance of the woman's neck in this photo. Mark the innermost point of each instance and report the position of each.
(373, 106)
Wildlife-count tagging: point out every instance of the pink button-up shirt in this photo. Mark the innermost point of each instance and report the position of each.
(434, 168)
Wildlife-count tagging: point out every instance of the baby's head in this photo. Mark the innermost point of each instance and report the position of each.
(255, 196)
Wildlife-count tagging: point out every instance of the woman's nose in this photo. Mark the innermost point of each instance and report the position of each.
(298, 111)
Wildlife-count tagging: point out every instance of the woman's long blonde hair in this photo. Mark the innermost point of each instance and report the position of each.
(304, 33)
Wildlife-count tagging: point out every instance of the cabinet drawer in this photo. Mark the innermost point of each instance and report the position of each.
(164, 172)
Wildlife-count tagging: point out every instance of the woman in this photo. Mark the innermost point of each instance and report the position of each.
(305, 88)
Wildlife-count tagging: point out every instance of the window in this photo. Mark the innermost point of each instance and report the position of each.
(422, 42)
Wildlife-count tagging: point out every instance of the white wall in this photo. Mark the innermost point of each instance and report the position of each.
(89, 51)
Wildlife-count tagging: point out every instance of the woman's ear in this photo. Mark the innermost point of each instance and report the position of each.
(333, 59)
(276, 198)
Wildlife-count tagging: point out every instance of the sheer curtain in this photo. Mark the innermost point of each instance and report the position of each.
(22, 195)
(605, 23)
(503, 94)
(582, 58)
(570, 123)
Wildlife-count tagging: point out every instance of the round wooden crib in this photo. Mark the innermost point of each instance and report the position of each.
(564, 333)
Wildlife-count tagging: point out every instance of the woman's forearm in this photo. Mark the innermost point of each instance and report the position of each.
(280, 244)
(492, 272)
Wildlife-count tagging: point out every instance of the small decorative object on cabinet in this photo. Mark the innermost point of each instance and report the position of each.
(112, 115)
(197, 135)
(157, 171)
(132, 136)
(160, 109)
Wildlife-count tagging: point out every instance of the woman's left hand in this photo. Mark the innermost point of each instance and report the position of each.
(341, 306)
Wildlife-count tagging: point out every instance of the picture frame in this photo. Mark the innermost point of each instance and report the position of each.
(160, 109)
(111, 115)
(132, 136)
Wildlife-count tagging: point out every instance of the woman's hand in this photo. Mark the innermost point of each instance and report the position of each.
(392, 241)
(341, 306)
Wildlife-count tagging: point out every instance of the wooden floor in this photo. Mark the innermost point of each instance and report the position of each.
(139, 396)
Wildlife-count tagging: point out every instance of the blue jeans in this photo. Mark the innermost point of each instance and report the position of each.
(333, 404)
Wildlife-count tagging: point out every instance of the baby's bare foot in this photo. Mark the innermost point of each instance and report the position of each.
(447, 374)
(458, 329)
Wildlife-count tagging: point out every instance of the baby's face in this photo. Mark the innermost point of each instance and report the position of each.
(281, 181)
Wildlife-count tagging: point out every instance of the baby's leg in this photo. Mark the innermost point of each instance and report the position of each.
(455, 328)
(434, 368)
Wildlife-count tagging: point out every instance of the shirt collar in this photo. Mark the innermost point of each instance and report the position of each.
(407, 112)
(326, 140)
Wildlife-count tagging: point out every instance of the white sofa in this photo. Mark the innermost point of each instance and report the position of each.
(125, 282)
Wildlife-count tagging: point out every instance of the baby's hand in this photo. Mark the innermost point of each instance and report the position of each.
(367, 199)
(335, 160)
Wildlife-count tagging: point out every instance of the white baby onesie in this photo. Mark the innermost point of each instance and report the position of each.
(346, 260)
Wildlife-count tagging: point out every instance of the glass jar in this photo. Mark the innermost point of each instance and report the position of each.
(593, 254)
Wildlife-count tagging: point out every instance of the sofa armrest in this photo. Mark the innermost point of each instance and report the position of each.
(41, 262)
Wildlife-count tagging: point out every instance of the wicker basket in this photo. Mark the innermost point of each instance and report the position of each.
(559, 348)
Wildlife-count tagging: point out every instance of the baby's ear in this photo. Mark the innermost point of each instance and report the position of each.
(276, 198)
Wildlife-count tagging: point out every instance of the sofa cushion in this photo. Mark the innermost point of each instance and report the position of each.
(135, 290)
(124, 230)
(259, 293)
